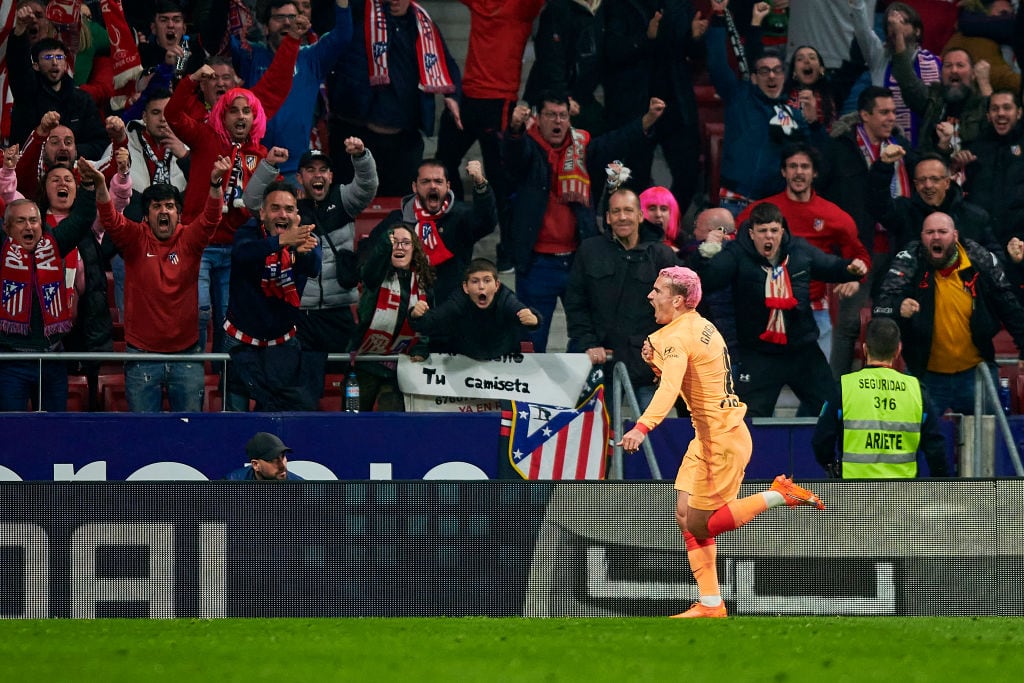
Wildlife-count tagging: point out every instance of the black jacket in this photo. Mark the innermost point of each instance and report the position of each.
(480, 333)
(741, 266)
(996, 180)
(33, 97)
(844, 177)
(606, 299)
(911, 276)
(904, 216)
(461, 227)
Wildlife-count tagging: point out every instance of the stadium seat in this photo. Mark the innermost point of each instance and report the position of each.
(112, 396)
(1004, 345)
(213, 398)
(374, 214)
(78, 394)
(333, 399)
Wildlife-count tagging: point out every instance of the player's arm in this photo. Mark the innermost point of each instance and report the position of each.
(663, 401)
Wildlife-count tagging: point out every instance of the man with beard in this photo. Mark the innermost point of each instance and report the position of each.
(268, 460)
(758, 121)
(447, 227)
(934, 190)
(770, 272)
(952, 111)
(610, 273)
(950, 297)
(162, 259)
(994, 166)
(270, 262)
(326, 323)
(690, 357)
(484, 321)
(36, 310)
(820, 222)
(40, 83)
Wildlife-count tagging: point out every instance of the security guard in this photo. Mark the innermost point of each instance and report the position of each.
(881, 419)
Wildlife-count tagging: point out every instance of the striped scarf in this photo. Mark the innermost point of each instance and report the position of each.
(569, 164)
(277, 281)
(778, 297)
(42, 267)
(900, 186)
(433, 66)
(426, 229)
(389, 332)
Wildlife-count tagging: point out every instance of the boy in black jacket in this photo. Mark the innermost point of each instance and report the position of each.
(484, 321)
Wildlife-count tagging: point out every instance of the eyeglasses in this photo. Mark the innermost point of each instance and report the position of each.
(930, 179)
(52, 58)
(405, 244)
(555, 116)
(284, 17)
(765, 70)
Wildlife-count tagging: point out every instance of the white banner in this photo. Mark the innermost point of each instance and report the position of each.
(554, 379)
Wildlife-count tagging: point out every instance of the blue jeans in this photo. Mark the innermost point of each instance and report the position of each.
(824, 321)
(144, 383)
(214, 285)
(956, 391)
(541, 288)
(19, 384)
(117, 268)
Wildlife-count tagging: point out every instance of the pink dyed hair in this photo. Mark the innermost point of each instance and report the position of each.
(686, 282)
(259, 119)
(662, 195)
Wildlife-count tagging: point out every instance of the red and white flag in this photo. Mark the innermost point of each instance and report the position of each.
(548, 442)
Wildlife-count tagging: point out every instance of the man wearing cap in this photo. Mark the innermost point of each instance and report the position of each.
(326, 322)
(268, 460)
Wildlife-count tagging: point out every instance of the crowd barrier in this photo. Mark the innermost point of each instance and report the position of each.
(498, 549)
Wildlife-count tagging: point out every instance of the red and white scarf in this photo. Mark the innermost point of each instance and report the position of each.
(778, 297)
(277, 281)
(66, 17)
(900, 182)
(384, 335)
(40, 271)
(569, 164)
(426, 230)
(434, 76)
(123, 47)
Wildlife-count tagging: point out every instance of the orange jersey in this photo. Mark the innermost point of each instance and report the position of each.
(692, 360)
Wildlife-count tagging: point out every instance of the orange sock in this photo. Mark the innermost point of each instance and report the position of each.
(736, 514)
(702, 555)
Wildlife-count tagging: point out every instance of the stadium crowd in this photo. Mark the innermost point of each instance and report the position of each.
(876, 132)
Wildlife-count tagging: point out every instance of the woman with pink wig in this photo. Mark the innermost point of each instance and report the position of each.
(660, 207)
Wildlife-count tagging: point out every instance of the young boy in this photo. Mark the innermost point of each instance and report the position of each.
(485, 321)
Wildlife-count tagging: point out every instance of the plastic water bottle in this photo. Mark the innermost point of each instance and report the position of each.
(1004, 394)
(352, 393)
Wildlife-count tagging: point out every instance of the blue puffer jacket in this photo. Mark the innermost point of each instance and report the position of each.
(753, 143)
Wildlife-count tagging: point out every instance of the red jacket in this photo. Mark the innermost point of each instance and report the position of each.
(206, 145)
(161, 291)
(498, 31)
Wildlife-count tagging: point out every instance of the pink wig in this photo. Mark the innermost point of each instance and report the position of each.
(661, 195)
(686, 281)
(259, 117)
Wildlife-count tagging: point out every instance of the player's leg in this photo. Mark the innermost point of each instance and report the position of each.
(701, 552)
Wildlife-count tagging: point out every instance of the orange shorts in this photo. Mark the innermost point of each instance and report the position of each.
(712, 471)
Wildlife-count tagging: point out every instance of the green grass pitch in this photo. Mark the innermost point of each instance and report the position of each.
(814, 649)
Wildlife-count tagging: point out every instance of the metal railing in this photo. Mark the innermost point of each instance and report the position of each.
(984, 388)
(622, 387)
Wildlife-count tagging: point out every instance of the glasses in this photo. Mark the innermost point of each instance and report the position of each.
(930, 179)
(765, 70)
(556, 116)
(405, 244)
(284, 17)
(52, 58)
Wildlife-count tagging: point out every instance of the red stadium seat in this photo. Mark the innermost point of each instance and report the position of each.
(112, 396)
(78, 394)
(714, 140)
(374, 214)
